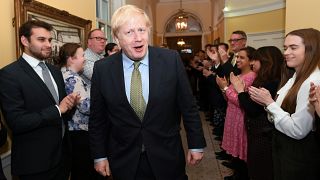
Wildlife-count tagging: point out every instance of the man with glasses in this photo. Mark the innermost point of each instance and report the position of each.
(96, 45)
(237, 41)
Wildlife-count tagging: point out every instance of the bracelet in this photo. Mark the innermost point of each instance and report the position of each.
(224, 89)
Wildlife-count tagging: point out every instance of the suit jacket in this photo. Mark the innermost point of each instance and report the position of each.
(227, 68)
(117, 133)
(30, 112)
(3, 140)
(215, 94)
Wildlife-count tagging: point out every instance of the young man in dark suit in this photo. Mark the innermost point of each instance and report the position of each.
(137, 98)
(34, 102)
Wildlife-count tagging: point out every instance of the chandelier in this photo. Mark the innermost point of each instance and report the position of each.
(181, 42)
(181, 19)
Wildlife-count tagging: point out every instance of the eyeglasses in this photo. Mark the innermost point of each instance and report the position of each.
(235, 40)
(99, 38)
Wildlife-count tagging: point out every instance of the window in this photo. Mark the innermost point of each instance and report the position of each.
(103, 13)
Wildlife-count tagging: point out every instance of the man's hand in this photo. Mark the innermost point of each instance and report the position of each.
(102, 167)
(206, 64)
(206, 72)
(212, 54)
(223, 55)
(194, 158)
(69, 102)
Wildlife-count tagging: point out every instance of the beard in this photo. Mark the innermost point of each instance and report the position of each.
(39, 54)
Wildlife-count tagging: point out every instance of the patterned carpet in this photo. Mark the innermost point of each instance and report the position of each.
(210, 168)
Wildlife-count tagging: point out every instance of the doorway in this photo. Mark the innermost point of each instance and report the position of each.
(187, 51)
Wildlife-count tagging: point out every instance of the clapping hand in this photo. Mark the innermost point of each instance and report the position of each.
(237, 83)
(69, 102)
(222, 82)
(260, 95)
(206, 72)
(314, 95)
(212, 54)
(223, 55)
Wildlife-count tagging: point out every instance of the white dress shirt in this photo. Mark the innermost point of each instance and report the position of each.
(299, 124)
(34, 63)
(144, 71)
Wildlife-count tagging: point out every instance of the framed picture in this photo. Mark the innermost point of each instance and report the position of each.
(66, 27)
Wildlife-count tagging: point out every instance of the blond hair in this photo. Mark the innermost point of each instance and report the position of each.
(124, 14)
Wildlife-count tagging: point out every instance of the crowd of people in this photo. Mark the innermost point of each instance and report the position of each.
(106, 111)
(99, 112)
(263, 104)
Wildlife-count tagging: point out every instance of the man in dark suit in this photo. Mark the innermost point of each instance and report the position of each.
(137, 98)
(238, 40)
(34, 110)
(3, 140)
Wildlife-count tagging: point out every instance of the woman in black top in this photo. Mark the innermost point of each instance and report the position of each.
(267, 63)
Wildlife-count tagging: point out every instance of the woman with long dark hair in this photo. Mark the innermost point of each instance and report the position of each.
(295, 146)
(266, 63)
(234, 140)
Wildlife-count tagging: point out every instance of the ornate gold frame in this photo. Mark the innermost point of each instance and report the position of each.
(23, 9)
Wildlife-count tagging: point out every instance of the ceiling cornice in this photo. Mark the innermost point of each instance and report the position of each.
(255, 9)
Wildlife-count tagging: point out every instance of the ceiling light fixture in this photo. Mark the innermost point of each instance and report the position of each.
(181, 42)
(181, 19)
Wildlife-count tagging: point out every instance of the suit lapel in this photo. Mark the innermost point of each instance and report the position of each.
(118, 79)
(57, 79)
(30, 72)
(154, 78)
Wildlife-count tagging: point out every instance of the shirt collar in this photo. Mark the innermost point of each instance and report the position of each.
(31, 60)
(99, 56)
(128, 63)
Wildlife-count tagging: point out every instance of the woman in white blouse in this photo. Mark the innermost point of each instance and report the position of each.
(296, 151)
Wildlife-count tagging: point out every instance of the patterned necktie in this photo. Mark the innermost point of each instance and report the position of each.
(48, 81)
(136, 99)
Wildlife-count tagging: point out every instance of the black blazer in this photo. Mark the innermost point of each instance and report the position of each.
(30, 112)
(117, 133)
(3, 140)
(3, 134)
(215, 94)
